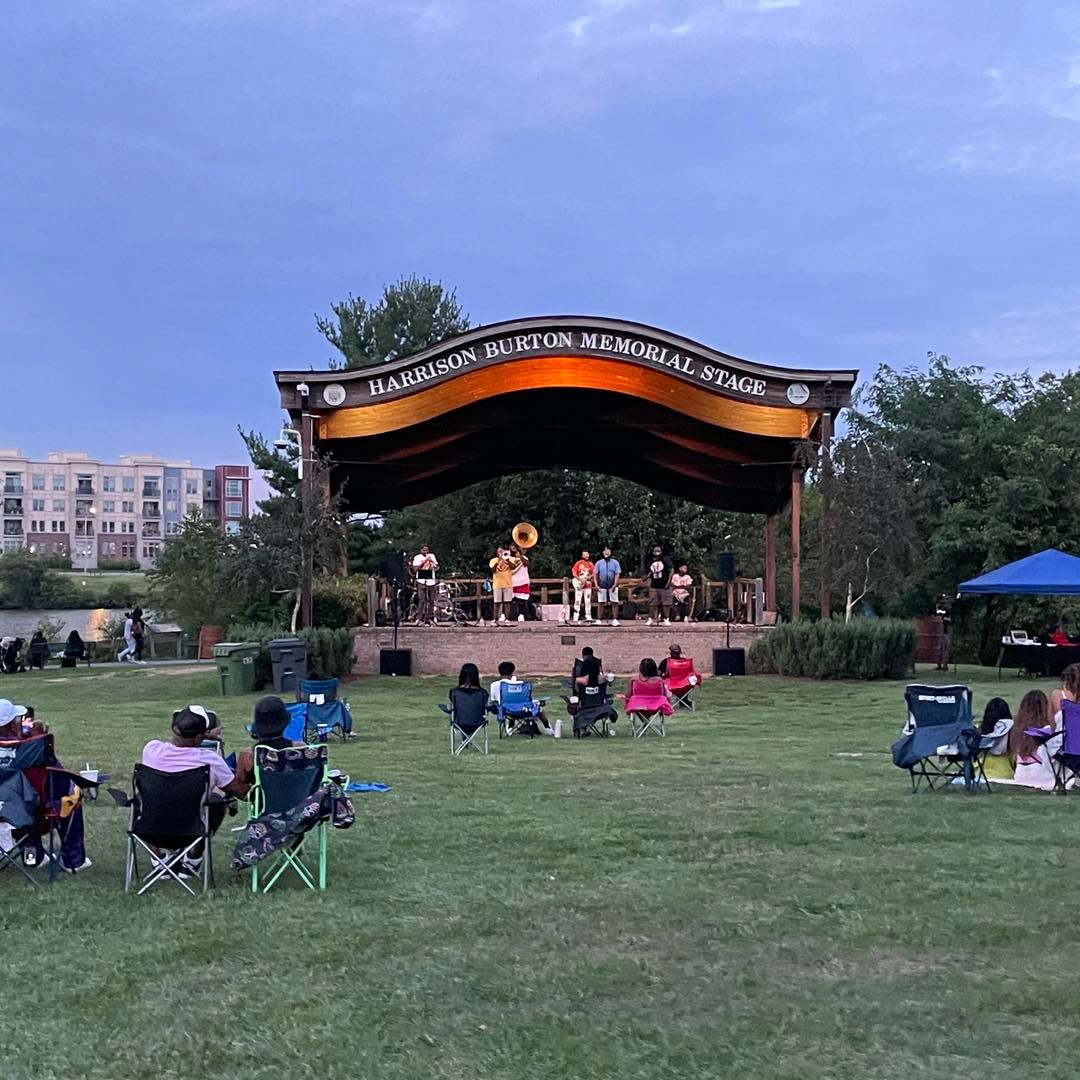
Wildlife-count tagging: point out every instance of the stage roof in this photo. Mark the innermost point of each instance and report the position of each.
(1048, 573)
(571, 392)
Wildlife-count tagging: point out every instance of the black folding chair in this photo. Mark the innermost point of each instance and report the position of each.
(468, 720)
(170, 822)
(593, 712)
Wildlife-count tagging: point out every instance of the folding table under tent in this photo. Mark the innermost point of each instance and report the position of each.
(1047, 573)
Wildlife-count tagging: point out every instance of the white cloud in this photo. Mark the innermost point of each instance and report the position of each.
(578, 26)
(776, 5)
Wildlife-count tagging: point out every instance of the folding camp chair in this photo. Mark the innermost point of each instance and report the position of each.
(940, 743)
(1065, 760)
(593, 712)
(681, 679)
(38, 799)
(283, 780)
(646, 707)
(170, 819)
(516, 710)
(325, 710)
(468, 718)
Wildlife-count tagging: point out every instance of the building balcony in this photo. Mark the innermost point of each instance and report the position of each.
(13, 528)
(13, 508)
(84, 510)
(151, 491)
(151, 509)
(151, 529)
(84, 487)
(12, 488)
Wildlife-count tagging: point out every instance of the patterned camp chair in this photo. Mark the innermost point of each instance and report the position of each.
(284, 779)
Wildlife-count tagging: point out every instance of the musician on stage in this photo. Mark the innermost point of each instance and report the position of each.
(424, 566)
(680, 584)
(659, 574)
(606, 574)
(582, 576)
(519, 576)
(502, 590)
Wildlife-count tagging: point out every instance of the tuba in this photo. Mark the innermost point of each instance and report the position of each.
(524, 535)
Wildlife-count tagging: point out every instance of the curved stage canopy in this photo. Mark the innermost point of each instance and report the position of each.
(566, 391)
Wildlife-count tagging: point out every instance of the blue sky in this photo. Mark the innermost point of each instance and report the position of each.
(184, 185)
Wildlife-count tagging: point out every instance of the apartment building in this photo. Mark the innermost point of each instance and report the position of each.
(72, 505)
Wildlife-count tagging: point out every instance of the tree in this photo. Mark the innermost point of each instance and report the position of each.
(191, 581)
(412, 314)
(273, 545)
(23, 579)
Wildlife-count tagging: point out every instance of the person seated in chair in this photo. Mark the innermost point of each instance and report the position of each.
(268, 726)
(17, 724)
(507, 674)
(998, 764)
(648, 694)
(588, 671)
(191, 727)
(468, 711)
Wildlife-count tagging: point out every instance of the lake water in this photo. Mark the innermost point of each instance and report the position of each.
(90, 622)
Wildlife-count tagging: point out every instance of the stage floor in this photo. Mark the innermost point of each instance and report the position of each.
(547, 648)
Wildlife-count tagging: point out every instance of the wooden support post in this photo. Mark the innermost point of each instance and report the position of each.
(796, 553)
(770, 563)
(825, 477)
(307, 435)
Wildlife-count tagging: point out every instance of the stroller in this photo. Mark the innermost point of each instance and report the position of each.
(10, 656)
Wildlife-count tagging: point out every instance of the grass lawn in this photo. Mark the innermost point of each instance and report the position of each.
(734, 900)
(95, 585)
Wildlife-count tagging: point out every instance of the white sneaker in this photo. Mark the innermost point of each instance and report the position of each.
(649, 622)
(502, 618)
(120, 658)
(614, 622)
(521, 618)
(85, 865)
(574, 618)
(667, 622)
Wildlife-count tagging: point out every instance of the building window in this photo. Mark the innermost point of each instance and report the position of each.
(84, 528)
(127, 526)
(171, 506)
(108, 526)
(108, 506)
(37, 481)
(232, 528)
(191, 486)
(172, 528)
(37, 504)
(58, 526)
(191, 508)
(13, 483)
(127, 506)
(128, 483)
(108, 483)
(127, 550)
(59, 505)
(12, 545)
(151, 487)
(234, 509)
(109, 548)
(234, 489)
(150, 551)
(58, 482)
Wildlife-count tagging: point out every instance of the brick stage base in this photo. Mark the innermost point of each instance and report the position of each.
(542, 648)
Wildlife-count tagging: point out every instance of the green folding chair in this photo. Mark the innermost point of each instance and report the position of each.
(283, 780)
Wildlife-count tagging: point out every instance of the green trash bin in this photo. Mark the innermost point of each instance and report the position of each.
(236, 666)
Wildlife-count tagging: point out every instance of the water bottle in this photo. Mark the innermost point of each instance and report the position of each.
(558, 729)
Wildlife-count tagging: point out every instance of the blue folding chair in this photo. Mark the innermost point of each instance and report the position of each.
(517, 711)
(325, 711)
(940, 742)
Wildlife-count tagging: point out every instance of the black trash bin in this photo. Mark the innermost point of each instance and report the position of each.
(288, 661)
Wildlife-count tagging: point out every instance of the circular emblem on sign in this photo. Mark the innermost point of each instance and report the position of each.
(334, 394)
(797, 393)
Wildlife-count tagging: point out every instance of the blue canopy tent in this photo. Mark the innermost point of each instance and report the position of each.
(1049, 573)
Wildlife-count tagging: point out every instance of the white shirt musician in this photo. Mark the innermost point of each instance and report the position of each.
(424, 566)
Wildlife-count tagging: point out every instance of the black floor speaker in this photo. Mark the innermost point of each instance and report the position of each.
(395, 661)
(729, 661)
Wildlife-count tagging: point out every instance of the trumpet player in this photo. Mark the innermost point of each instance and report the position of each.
(502, 583)
(582, 576)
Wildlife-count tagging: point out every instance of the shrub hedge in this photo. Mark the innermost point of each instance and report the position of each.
(330, 651)
(833, 649)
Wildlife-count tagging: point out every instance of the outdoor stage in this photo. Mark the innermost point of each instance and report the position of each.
(547, 648)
